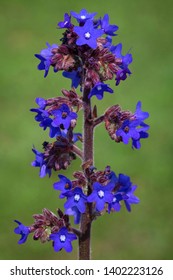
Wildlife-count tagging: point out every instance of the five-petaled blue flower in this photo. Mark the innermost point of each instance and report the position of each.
(74, 76)
(128, 130)
(99, 89)
(64, 185)
(124, 192)
(126, 60)
(101, 195)
(23, 230)
(83, 16)
(75, 213)
(87, 34)
(62, 239)
(76, 198)
(45, 57)
(66, 23)
(40, 162)
(63, 116)
(135, 128)
(139, 114)
(107, 28)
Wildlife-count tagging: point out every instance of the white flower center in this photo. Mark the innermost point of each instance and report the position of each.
(62, 238)
(87, 35)
(77, 197)
(114, 199)
(101, 194)
(99, 87)
(83, 17)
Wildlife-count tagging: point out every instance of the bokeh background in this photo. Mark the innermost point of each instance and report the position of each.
(145, 28)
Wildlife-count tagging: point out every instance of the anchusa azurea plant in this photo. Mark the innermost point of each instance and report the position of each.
(88, 58)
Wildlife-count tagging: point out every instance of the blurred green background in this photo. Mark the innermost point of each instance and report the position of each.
(145, 27)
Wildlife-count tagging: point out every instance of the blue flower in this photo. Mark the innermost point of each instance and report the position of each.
(83, 16)
(45, 57)
(41, 102)
(126, 60)
(139, 114)
(74, 212)
(101, 195)
(87, 34)
(115, 204)
(134, 128)
(136, 142)
(107, 28)
(66, 23)
(40, 162)
(53, 131)
(99, 89)
(43, 117)
(23, 230)
(130, 198)
(62, 239)
(64, 185)
(124, 191)
(76, 198)
(128, 130)
(63, 116)
(74, 76)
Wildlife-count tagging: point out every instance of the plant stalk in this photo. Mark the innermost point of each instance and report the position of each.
(86, 219)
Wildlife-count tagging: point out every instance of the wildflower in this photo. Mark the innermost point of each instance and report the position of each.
(130, 198)
(62, 239)
(128, 130)
(74, 76)
(107, 28)
(123, 191)
(40, 162)
(66, 23)
(126, 60)
(23, 230)
(63, 117)
(99, 89)
(101, 195)
(83, 16)
(141, 116)
(45, 57)
(63, 185)
(74, 212)
(134, 127)
(76, 198)
(88, 34)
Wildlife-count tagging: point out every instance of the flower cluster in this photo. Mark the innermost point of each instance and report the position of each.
(59, 116)
(124, 125)
(88, 58)
(108, 192)
(48, 226)
(87, 50)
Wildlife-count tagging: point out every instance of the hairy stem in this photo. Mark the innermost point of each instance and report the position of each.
(85, 226)
(77, 151)
(98, 120)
